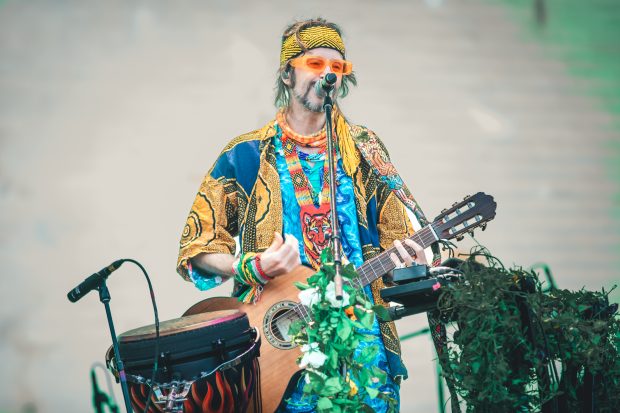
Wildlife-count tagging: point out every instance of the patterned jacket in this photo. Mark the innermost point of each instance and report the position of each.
(240, 196)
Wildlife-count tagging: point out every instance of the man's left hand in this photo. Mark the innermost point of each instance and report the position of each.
(406, 259)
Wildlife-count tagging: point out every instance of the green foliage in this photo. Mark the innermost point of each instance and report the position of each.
(333, 336)
(511, 337)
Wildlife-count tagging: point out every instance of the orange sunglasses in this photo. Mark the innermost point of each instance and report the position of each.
(318, 64)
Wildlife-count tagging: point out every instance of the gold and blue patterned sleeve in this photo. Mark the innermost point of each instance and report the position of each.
(211, 227)
(394, 223)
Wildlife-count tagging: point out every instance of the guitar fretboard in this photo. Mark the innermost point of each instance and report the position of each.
(379, 265)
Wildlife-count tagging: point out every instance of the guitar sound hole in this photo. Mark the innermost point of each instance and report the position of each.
(281, 322)
(276, 323)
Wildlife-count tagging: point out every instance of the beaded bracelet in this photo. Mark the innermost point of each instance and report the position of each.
(259, 268)
(249, 273)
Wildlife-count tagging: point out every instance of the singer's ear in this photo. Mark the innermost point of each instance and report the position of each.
(286, 75)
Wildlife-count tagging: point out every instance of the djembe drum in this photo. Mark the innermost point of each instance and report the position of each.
(207, 362)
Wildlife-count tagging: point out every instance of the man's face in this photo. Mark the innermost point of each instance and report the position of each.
(302, 81)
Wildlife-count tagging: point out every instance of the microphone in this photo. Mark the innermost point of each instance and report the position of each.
(93, 281)
(325, 86)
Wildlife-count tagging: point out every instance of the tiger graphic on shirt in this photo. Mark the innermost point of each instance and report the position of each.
(317, 231)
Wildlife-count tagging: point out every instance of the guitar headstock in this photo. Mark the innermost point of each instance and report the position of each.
(472, 212)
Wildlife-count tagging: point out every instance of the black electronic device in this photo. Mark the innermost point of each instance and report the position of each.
(414, 272)
(417, 296)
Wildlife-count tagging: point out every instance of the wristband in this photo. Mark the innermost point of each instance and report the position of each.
(249, 273)
(259, 269)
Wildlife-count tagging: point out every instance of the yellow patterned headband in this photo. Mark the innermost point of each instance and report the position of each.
(312, 37)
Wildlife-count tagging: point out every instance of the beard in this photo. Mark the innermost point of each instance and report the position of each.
(303, 96)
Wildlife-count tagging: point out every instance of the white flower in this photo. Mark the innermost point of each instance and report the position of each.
(307, 347)
(309, 297)
(312, 357)
(317, 372)
(330, 295)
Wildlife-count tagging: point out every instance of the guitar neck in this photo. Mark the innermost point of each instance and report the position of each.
(382, 263)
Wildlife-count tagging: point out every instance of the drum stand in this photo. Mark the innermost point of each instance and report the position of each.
(104, 297)
(176, 395)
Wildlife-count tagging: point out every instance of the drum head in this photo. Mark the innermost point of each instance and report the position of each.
(189, 347)
(180, 325)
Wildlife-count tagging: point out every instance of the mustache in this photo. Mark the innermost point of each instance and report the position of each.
(309, 89)
(304, 94)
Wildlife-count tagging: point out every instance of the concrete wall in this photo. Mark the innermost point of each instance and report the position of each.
(111, 113)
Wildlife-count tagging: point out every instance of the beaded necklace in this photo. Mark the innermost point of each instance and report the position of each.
(315, 219)
(316, 140)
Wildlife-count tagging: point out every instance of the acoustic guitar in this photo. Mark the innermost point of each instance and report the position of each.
(278, 306)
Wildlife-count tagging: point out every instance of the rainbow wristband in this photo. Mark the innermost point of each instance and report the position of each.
(249, 273)
(259, 269)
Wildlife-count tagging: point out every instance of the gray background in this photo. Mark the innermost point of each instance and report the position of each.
(112, 112)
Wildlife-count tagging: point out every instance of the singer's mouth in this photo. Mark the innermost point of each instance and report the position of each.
(312, 86)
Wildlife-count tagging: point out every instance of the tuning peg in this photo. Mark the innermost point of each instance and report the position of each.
(465, 197)
(483, 226)
(455, 204)
(460, 237)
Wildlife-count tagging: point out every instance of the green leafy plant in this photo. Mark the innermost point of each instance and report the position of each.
(336, 379)
(516, 348)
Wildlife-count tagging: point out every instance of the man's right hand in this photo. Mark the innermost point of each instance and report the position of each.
(281, 257)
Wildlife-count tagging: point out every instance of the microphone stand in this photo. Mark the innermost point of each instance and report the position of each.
(104, 297)
(335, 238)
(331, 159)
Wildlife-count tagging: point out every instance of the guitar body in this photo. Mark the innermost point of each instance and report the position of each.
(277, 357)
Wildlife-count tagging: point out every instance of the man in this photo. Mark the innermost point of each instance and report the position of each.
(273, 181)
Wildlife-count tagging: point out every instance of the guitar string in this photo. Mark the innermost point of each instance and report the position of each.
(425, 235)
(301, 309)
(424, 238)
